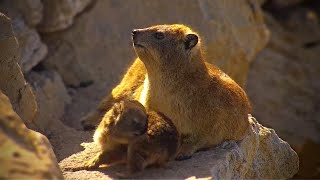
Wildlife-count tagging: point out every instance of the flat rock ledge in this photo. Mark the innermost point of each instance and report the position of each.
(260, 155)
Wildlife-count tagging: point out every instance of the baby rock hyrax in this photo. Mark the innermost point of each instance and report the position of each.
(171, 76)
(129, 134)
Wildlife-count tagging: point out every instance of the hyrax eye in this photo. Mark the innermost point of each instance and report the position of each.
(158, 35)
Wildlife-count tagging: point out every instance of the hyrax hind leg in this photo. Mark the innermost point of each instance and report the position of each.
(127, 88)
(107, 157)
(189, 144)
(137, 160)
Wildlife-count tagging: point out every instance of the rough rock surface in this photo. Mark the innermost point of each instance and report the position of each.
(261, 155)
(32, 49)
(289, 70)
(12, 82)
(52, 98)
(25, 154)
(59, 14)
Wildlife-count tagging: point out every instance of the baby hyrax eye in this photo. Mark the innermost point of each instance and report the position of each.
(158, 35)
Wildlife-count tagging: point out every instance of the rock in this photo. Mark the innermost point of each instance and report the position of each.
(52, 98)
(284, 3)
(59, 14)
(12, 82)
(304, 23)
(25, 154)
(31, 10)
(288, 70)
(32, 49)
(73, 73)
(260, 155)
(99, 42)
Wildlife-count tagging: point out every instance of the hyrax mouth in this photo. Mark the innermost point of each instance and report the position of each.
(137, 45)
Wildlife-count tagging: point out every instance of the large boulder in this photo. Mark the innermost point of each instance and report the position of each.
(59, 14)
(25, 154)
(32, 10)
(289, 70)
(12, 82)
(260, 155)
(98, 46)
(31, 48)
(52, 98)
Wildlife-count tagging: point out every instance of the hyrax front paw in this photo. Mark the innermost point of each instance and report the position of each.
(187, 148)
(91, 120)
(183, 156)
(92, 163)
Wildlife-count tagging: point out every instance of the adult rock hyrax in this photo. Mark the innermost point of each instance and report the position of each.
(171, 76)
(129, 134)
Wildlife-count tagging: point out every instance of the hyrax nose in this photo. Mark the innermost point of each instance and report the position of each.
(134, 32)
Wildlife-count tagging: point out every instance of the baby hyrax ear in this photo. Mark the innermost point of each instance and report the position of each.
(191, 40)
(118, 106)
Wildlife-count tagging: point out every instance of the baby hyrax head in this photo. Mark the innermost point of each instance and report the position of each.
(165, 44)
(130, 120)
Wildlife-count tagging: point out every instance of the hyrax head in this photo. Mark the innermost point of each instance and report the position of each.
(130, 120)
(165, 44)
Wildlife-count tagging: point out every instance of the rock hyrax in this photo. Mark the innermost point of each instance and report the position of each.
(125, 121)
(122, 138)
(205, 105)
(171, 76)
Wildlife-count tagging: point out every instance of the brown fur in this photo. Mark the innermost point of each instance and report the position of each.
(120, 138)
(123, 123)
(156, 147)
(205, 105)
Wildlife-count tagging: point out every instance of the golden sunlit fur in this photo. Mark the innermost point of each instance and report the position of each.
(123, 123)
(206, 106)
(127, 134)
(156, 147)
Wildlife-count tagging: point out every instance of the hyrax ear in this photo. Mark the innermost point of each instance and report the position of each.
(118, 106)
(191, 40)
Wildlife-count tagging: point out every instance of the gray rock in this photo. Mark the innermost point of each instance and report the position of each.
(289, 73)
(261, 155)
(12, 81)
(283, 86)
(59, 14)
(32, 49)
(52, 98)
(32, 10)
